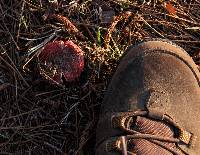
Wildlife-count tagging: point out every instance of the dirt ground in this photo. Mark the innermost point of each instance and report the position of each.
(39, 117)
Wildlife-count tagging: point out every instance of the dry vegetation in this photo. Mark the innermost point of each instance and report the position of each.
(39, 118)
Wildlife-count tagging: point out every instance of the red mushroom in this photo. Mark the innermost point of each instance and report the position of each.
(61, 59)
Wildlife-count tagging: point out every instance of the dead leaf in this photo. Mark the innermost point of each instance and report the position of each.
(170, 8)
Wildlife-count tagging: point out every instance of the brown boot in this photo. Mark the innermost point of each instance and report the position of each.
(152, 106)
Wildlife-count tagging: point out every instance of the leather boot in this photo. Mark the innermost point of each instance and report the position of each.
(152, 105)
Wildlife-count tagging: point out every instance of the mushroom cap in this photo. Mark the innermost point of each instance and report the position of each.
(60, 59)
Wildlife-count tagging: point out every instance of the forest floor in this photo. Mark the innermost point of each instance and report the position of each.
(42, 118)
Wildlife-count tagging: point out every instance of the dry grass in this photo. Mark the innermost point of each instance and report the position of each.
(46, 119)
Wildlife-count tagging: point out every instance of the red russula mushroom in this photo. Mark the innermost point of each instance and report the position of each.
(61, 59)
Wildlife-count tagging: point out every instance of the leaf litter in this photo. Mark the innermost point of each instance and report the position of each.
(40, 118)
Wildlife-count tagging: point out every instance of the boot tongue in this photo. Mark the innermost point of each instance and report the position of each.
(154, 127)
(148, 126)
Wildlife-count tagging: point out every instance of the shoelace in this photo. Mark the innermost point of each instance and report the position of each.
(159, 141)
(150, 138)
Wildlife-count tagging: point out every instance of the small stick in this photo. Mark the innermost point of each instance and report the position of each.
(68, 25)
(14, 68)
(90, 34)
(185, 41)
(151, 27)
(116, 19)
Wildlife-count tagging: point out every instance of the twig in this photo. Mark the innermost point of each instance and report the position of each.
(124, 15)
(90, 34)
(151, 26)
(14, 68)
(187, 41)
(69, 26)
